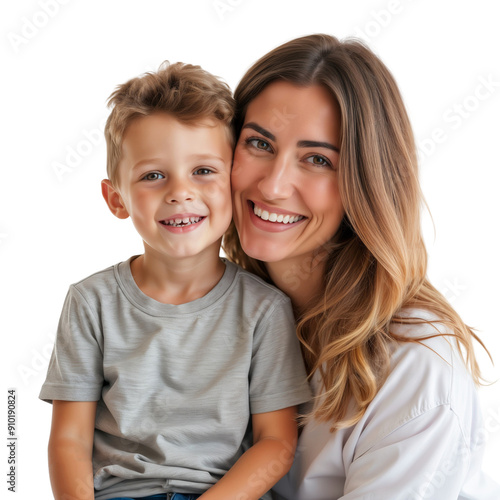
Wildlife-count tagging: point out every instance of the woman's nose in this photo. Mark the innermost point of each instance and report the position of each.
(277, 182)
(179, 191)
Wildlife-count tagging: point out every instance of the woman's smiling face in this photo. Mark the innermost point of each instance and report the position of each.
(284, 179)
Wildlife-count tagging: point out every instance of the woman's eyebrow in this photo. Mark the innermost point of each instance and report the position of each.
(300, 144)
(315, 144)
(260, 130)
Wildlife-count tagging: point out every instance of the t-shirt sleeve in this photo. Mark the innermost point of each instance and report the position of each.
(425, 458)
(277, 375)
(75, 370)
(422, 437)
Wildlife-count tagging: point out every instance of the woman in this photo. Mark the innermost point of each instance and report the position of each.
(327, 207)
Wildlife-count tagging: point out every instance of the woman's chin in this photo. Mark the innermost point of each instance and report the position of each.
(263, 251)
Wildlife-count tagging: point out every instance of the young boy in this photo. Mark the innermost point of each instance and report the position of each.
(161, 360)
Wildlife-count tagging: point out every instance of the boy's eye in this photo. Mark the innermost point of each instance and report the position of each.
(203, 171)
(153, 176)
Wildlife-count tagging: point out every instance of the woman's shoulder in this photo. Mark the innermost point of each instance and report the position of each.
(425, 374)
(423, 337)
(432, 355)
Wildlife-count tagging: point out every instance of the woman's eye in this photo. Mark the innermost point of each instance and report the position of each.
(319, 161)
(259, 144)
(153, 176)
(203, 171)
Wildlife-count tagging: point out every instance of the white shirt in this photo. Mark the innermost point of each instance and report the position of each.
(420, 438)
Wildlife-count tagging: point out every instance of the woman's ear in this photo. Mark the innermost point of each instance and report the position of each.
(113, 199)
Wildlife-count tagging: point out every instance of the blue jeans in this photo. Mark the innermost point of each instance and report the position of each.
(163, 496)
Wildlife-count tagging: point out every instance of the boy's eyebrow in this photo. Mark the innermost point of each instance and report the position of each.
(146, 162)
(206, 156)
(195, 157)
(260, 130)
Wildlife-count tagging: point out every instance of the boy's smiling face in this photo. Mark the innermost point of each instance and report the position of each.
(174, 183)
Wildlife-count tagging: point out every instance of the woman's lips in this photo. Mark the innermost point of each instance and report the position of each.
(273, 220)
(272, 215)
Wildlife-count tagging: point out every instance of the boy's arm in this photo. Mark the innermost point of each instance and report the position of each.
(269, 459)
(70, 449)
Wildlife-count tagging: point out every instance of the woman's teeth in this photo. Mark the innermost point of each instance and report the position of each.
(272, 217)
(187, 221)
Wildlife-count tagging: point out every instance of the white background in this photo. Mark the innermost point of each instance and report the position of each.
(58, 70)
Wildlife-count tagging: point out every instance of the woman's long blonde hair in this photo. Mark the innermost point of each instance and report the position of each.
(377, 261)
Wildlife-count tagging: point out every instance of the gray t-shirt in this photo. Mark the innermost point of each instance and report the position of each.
(175, 384)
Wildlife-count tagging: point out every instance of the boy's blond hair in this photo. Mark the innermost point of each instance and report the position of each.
(187, 92)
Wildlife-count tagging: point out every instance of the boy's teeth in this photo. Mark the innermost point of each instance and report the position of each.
(186, 221)
(273, 217)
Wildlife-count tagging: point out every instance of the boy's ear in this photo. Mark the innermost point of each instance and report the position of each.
(113, 199)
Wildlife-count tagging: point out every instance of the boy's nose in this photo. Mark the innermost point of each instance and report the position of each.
(179, 192)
